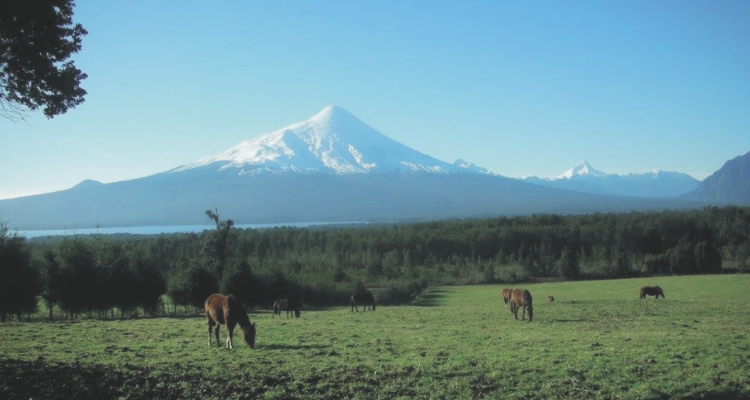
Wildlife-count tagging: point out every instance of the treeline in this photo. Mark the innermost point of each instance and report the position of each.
(324, 265)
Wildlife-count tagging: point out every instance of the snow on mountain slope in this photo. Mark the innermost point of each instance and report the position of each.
(333, 141)
(584, 169)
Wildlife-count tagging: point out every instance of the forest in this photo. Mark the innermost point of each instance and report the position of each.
(107, 276)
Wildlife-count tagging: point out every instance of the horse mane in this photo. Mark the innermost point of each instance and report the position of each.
(242, 319)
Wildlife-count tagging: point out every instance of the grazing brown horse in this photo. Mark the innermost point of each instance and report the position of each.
(227, 310)
(652, 291)
(521, 298)
(279, 306)
(365, 299)
(506, 295)
(550, 298)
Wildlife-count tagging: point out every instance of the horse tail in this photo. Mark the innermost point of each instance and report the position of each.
(529, 302)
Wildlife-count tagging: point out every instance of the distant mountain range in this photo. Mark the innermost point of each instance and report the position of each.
(584, 178)
(331, 168)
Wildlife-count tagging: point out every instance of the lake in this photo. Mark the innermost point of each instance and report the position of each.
(155, 230)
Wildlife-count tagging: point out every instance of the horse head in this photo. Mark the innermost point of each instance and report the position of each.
(249, 335)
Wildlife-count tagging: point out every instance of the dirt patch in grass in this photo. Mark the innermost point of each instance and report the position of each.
(40, 380)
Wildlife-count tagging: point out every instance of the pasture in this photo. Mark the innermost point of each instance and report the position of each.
(596, 340)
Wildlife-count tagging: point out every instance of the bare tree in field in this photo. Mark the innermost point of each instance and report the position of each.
(215, 245)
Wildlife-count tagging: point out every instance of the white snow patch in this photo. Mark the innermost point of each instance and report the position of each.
(332, 141)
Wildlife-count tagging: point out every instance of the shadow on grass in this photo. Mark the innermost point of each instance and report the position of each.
(431, 298)
(292, 347)
(572, 320)
(721, 394)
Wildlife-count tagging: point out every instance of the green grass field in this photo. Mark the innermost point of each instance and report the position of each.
(597, 340)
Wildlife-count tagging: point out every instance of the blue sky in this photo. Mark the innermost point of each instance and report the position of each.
(520, 88)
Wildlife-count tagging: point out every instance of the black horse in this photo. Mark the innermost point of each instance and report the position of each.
(293, 305)
(279, 306)
(652, 291)
(365, 299)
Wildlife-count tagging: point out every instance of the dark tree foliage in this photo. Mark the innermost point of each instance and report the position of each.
(19, 280)
(100, 276)
(37, 39)
(151, 284)
(325, 265)
(78, 279)
(192, 287)
(50, 272)
(568, 265)
(117, 280)
(243, 284)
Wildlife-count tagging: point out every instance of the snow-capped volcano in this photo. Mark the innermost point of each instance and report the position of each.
(584, 169)
(332, 167)
(333, 141)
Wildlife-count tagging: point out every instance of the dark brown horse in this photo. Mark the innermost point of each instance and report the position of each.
(293, 305)
(227, 310)
(364, 299)
(652, 291)
(506, 295)
(521, 298)
(279, 306)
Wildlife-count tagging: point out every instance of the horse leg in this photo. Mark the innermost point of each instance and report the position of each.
(209, 331)
(230, 333)
(523, 315)
(216, 331)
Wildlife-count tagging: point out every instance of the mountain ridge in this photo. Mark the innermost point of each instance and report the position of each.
(584, 178)
(729, 185)
(330, 168)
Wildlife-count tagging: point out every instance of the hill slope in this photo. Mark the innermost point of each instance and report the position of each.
(729, 185)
